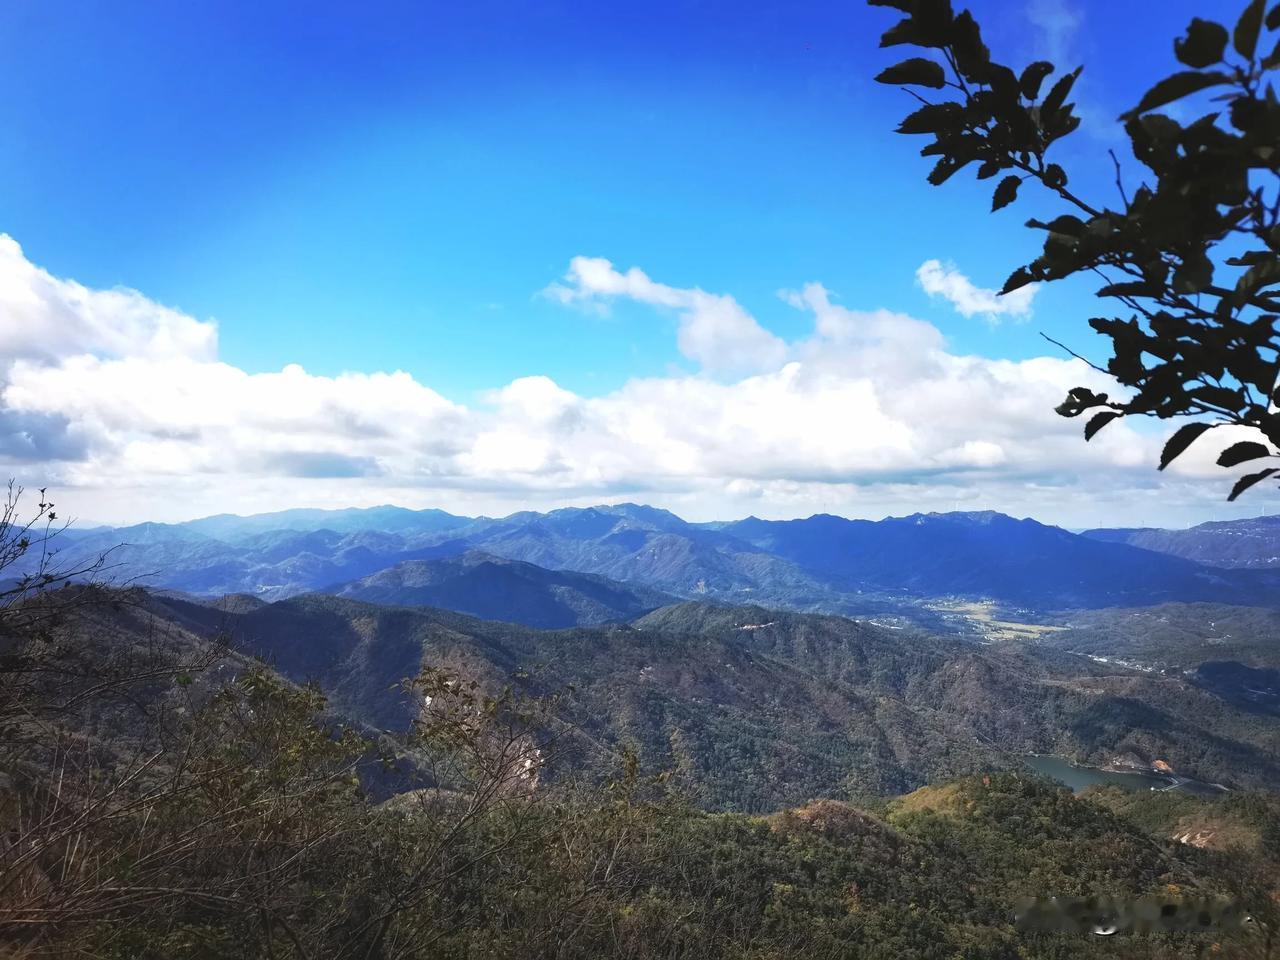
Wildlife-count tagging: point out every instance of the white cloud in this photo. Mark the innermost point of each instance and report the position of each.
(714, 329)
(126, 403)
(42, 317)
(1057, 23)
(944, 280)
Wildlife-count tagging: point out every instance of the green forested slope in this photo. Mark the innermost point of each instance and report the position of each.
(756, 709)
(207, 809)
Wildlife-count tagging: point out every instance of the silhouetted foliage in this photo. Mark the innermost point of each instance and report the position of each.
(1190, 254)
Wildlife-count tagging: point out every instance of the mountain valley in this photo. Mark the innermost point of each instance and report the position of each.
(753, 708)
(831, 760)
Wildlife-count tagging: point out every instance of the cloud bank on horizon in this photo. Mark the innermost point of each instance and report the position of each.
(122, 405)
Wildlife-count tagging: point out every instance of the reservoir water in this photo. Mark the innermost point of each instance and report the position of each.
(1077, 777)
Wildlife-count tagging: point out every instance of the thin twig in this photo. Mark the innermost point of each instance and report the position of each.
(1063, 346)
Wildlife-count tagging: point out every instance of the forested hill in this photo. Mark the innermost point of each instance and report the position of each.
(495, 588)
(798, 725)
(755, 708)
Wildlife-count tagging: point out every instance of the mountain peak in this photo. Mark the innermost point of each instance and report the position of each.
(984, 517)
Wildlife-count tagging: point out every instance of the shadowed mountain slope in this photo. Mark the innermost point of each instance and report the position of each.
(494, 588)
(755, 709)
(989, 554)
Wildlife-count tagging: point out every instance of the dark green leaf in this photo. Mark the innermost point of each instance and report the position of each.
(1003, 83)
(1256, 277)
(1098, 421)
(1251, 257)
(1058, 94)
(1238, 453)
(1067, 224)
(1224, 398)
(1245, 112)
(931, 118)
(944, 169)
(1100, 227)
(1079, 399)
(1204, 44)
(1163, 131)
(1181, 439)
(1006, 192)
(918, 71)
(934, 15)
(1175, 88)
(1032, 77)
(1018, 279)
(1273, 18)
(1064, 126)
(988, 169)
(1129, 289)
(1193, 274)
(1055, 176)
(1247, 481)
(972, 56)
(904, 31)
(1245, 37)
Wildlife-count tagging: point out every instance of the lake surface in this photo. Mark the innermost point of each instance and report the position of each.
(1077, 778)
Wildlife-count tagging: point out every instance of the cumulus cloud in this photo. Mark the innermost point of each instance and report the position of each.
(44, 317)
(715, 331)
(944, 280)
(127, 403)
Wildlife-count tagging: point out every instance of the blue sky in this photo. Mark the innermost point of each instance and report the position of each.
(423, 169)
(391, 186)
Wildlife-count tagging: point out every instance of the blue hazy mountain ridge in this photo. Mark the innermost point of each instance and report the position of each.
(495, 588)
(386, 519)
(990, 554)
(1249, 543)
(641, 544)
(822, 563)
(271, 565)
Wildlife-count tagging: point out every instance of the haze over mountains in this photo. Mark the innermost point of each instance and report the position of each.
(591, 565)
(1251, 543)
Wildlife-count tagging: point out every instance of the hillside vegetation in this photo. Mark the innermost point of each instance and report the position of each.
(209, 808)
(755, 709)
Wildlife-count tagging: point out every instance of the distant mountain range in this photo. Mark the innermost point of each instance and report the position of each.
(1250, 543)
(591, 565)
(991, 555)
